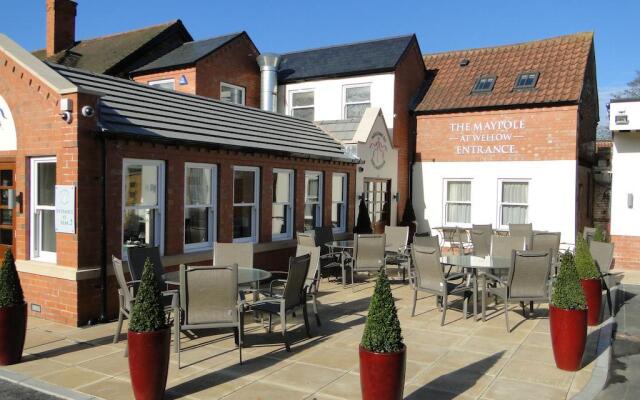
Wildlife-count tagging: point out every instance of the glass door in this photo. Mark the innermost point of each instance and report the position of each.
(377, 196)
(43, 233)
(7, 215)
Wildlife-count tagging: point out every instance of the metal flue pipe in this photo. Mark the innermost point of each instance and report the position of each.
(268, 63)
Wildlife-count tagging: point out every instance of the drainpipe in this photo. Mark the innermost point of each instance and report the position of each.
(103, 242)
(268, 63)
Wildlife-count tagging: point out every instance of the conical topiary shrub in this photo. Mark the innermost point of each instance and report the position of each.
(567, 293)
(589, 280)
(13, 312)
(382, 352)
(10, 289)
(363, 225)
(585, 264)
(148, 339)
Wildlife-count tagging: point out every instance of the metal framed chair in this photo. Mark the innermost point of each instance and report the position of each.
(330, 261)
(293, 295)
(235, 253)
(126, 299)
(368, 254)
(545, 241)
(136, 257)
(209, 298)
(426, 239)
(306, 239)
(524, 230)
(396, 250)
(481, 239)
(528, 281)
(503, 246)
(430, 278)
(602, 254)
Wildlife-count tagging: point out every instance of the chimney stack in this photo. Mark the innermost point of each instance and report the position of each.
(61, 25)
(268, 63)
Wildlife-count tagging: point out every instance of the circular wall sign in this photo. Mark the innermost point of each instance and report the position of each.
(379, 148)
(8, 140)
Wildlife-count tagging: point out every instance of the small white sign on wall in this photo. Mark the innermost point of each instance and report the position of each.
(65, 209)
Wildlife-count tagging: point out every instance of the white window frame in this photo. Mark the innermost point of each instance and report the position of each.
(501, 203)
(445, 202)
(158, 82)
(292, 107)
(159, 224)
(289, 234)
(234, 87)
(213, 208)
(254, 206)
(35, 225)
(345, 103)
(320, 195)
(343, 201)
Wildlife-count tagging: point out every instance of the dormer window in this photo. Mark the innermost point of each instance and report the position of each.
(527, 80)
(484, 84)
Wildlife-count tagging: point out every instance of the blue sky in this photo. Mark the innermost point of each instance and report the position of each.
(292, 25)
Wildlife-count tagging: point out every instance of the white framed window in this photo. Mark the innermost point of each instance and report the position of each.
(246, 191)
(514, 202)
(232, 93)
(312, 200)
(169, 84)
(302, 104)
(43, 206)
(200, 183)
(143, 203)
(356, 99)
(339, 202)
(457, 206)
(282, 207)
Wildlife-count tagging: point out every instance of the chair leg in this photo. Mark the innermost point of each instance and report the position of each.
(283, 322)
(176, 330)
(353, 283)
(270, 321)
(606, 288)
(415, 299)
(240, 333)
(530, 308)
(524, 309)
(116, 337)
(465, 305)
(315, 309)
(305, 314)
(506, 314)
(444, 309)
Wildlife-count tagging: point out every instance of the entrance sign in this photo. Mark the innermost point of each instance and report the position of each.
(8, 141)
(65, 209)
(379, 147)
(493, 137)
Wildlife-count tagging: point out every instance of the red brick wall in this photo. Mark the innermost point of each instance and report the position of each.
(409, 76)
(189, 73)
(626, 252)
(235, 63)
(61, 25)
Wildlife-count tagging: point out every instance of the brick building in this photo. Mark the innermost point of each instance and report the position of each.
(506, 135)
(89, 160)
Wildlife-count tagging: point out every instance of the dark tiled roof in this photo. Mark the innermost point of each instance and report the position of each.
(188, 53)
(342, 129)
(135, 110)
(349, 59)
(561, 62)
(102, 54)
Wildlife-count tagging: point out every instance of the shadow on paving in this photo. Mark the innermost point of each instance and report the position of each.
(458, 381)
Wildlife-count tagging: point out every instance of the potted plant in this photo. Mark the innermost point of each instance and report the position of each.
(568, 316)
(590, 281)
(409, 219)
(363, 225)
(13, 312)
(148, 340)
(382, 352)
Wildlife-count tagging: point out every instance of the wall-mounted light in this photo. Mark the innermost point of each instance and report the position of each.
(360, 169)
(396, 197)
(630, 200)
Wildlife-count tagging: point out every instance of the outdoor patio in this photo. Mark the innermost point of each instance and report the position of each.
(463, 359)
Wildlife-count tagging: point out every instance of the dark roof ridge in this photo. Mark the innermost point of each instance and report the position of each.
(231, 36)
(111, 35)
(349, 44)
(500, 46)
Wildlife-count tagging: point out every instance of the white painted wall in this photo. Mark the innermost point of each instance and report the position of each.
(552, 186)
(329, 95)
(625, 166)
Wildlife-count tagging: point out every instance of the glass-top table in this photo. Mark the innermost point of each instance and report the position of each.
(246, 275)
(343, 245)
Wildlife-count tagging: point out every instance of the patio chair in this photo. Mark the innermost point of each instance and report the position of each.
(235, 253)
(457, 238)
(137, 256)
(528, 281)
(481, 239)
(546, 240)
(602, 254)
(209, 299)
(293, 295)
(430, 278)
(368, 254)
(306, 239)
(524, 230)
(425, 239)
(396, 242)
(330, 261)
(126, 299)
(503, 246)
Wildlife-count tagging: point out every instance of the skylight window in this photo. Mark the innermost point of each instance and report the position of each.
(527, 80)
(484, 84)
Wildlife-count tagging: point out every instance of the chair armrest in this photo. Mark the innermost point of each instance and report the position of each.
(174, 294)
(276, 281)
(493, 277)
(455, 276)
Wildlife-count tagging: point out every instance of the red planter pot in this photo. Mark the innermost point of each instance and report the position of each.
(382, 374)
(568, 336)
(13, 327)
(592, 289)
(149, 363)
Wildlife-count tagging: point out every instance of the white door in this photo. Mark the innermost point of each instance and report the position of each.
(43, 189)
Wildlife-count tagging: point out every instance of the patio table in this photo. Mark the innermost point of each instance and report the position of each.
(477, 265)
(246, 276)
(344, 246)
